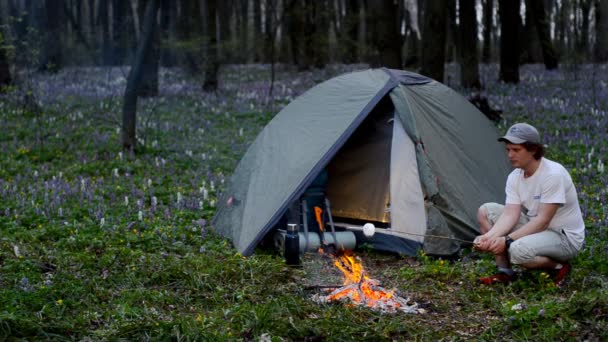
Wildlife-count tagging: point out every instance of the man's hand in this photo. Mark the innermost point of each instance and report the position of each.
(492, 244)
(482, 242)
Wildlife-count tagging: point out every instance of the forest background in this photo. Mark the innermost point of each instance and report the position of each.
(121, 120)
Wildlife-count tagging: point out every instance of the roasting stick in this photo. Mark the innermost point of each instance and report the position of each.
(369, 230)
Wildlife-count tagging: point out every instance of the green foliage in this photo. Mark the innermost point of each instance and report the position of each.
(98, 245)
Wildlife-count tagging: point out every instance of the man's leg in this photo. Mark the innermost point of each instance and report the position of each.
(487, 216)
(548, 250)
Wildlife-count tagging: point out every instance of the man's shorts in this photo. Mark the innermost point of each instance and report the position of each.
(550, 243)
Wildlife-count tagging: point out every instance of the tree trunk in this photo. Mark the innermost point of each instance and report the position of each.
(469, 68)
(486, 51)
(189, 29)
(148, 86)
(510, 23)
(129, 109)
(106, 40)
(383, 34)
(412, 34)
(5, 70)
(76, 23)
(433, 39)
(320, 32)
(531, 49)
(243, 29)
(19, 24)
(348, 36)
(601, 29)
(257, 31)
(168, 15)
(5, 73)
(583, 41)
(560, 29)
(212, 65)
(224, 15)
(51, 56)
(539, 17)
(121, 29)
(452, 38)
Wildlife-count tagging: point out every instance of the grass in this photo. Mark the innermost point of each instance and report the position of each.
(99, 245)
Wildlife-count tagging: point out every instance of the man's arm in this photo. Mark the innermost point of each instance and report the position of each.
(506, 221)
(537, 224)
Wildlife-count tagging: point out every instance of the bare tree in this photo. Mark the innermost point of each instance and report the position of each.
(531, 51)
(5, 73)
(383, 33)
(106, 49)
(433, 39)
(601, 29)
(190, 28)
(168, 18)
(510, 23)
(52, 26)
(412, 33)
(539, 17)
(149, 82)
(349, 32)
(129, 109)
(212, 65)
(469, 65)
(488, 12)
(122, 31)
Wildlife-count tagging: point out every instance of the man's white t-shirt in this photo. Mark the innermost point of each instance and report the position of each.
(551, 183)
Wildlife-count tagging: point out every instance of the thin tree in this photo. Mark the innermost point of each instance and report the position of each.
(53, 22)
(106, 41)
(349, 33)
(434, 39)
(148, 86)
(539, 16)
(510, 23)
(383, 33)
(5, 73)
(122, 31)
(295, 13)
(189, 29)
(601, 29)
(412, 33)
(531, 51)
(469, 65)
(168, 14)
(488, 11)
(212, 65)
(129, 109)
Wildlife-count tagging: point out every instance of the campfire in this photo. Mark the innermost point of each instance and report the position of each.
(359, 289)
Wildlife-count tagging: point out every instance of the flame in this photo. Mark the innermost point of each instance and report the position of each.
(360, 288)
(363, 290)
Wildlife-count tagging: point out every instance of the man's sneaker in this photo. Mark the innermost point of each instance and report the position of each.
(499, 277)
(559, 276)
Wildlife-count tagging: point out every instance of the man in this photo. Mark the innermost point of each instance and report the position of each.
(541, 225)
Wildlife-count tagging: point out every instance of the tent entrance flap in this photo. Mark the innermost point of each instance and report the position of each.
(359, 174)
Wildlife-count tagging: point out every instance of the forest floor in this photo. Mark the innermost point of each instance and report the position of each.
(96, 244)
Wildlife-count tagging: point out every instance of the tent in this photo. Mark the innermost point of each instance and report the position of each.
(400, 149)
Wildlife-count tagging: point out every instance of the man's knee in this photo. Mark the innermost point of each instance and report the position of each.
(483, 217)
(520, 253)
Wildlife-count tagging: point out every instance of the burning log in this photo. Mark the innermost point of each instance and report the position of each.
(359, 289)
(372, 296)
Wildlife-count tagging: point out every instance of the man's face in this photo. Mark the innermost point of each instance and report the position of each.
(519, 156)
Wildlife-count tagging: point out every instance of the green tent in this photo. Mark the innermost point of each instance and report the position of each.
(400, 149)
